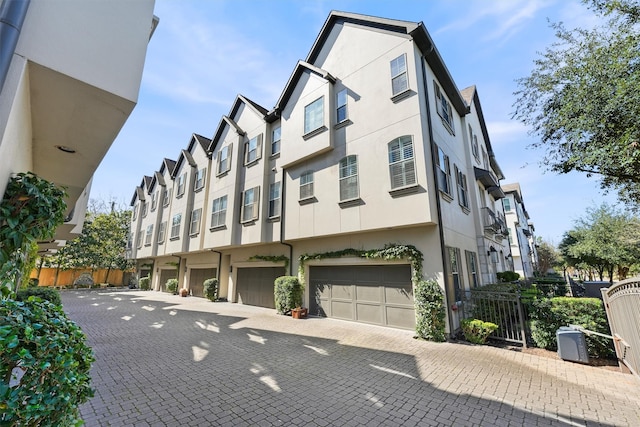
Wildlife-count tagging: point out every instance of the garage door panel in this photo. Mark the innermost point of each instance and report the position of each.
(368, 293)
(342, 292)
(255, 285)
(401, 317)
(369, 313)
(402, 295)
(197, 278)
(342, 309)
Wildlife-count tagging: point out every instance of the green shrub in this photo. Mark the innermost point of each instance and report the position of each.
(47, 294)
(172, 286)
(430, 311)
(44, 365)
(477, 331)
(211, 289)
(508, 276)
(548, 314)
(144, 283)
(287, 292)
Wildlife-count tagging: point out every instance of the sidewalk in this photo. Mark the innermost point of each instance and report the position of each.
(166, 360)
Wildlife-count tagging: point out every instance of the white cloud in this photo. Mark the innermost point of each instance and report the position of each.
(506, 132)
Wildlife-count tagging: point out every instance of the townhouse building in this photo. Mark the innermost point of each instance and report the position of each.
(521, 231)
(66, 90)
(370, 145)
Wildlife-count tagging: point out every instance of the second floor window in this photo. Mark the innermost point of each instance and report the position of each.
(306, 185)
(200, 177)
(224, 159)
(314, 115)
(181, 184)
(274, 200)
(253, 149)
(154, 201)
(275, 140)
(167, 197)
(139, 240)
(175, 226)
(444, 108)
(194, 226)
(348, 178)
(399, 80)
(507, 205)
(341, 106)
(161, 230)
(444, 173)
(401, 162)
(149, 235)
(463, 193)
(145, 208)
(250, 199)
(219, 212)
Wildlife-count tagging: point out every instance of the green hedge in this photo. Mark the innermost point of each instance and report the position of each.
(144, 283)
(38, 341)
(548, 314)
(430, 311)
(477, 331)
(508, 276)
(172, 286)
(47, 294)
(287, 292)
(211, 289)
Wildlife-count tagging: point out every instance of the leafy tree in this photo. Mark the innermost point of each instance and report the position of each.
(606, 239)
(547, 257)
(582, 99)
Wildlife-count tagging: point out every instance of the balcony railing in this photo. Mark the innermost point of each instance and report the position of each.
(494, 223)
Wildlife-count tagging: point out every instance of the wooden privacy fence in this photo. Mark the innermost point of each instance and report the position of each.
(622, 303)
(47, 276)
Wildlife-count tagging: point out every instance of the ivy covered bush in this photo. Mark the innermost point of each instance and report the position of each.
(288, 293)
(172, 286)
(44, 365)
(211, 289)
(47, 294)
(477, 331)
(430, 311)
(508, 276)
(144, 283)
(548, 314)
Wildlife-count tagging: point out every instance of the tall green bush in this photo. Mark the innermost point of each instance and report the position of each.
(172, 286)
(288, 293)
(477, 331)
(211, 289)
(47, 294)
(507, 276)
(44, 365)
(144, 283)
(430, 311)
(549, 314)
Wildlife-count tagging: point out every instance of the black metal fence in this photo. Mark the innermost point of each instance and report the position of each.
(505, 309)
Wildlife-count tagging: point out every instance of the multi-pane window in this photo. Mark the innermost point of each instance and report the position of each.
(485, 159)
(167, 197)
(134, 214)
(472, 269)
(444, 107)
(175, 226)
(399, 80)
(275, 140)
(402, 168)
(200, 177)
(507, 204)
(161, 230)
(474, 148)
(455, 280)
(139, 240)
(274, 200)
(194, 226)
(145, 208)
(154, 201)
(253, 149)
(224, 159)
(219, 212)
(250, 200)
(341, 106)
(182, 183)
(444, 172)
(314, 115)
(148, 235)
(463, 193)
(349, 178)
(306, 185)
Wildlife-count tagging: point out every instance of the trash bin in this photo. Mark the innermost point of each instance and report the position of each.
(572, 345)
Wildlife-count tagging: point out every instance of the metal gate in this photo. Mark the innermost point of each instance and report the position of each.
(622, 303)
(502, 308)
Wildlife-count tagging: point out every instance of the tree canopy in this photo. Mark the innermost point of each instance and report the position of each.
(582, 99)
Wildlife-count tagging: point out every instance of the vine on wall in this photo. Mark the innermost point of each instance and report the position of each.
(272, 258)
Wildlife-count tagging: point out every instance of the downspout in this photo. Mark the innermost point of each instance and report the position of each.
(178, 269)
(435, 180)
(12, 14)
(219, 263)
(282, 209)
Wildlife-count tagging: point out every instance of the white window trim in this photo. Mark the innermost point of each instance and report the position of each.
(346, 177)
(308, 130)
(162, 228)
(254, 205)
(167, 197)
(400, 73)
(196, 217)
(201, 176)
(307, 188)
(344, 106)
(228, 150)
(148, 235)
(258, 150)
(181, 184)
(274, 203)
(175, 226)
(219, 214)
(403, 163)
(276, 142)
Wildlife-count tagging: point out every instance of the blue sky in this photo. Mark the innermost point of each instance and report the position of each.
(204, 53)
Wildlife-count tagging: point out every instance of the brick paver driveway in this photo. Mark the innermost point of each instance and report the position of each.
(166, 360)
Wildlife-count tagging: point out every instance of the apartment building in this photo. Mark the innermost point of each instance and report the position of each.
(370, 144)
(521, 231)
(70, 75)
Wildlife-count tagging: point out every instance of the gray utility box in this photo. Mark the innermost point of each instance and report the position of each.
(572, 345)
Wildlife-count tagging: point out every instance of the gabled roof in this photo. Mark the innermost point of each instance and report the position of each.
(168, 165)
(414, 30)
(300, 68)
(184, 155)
(141, 189)
(470, 96)
(224, 122)
(203, 141)
(228, 120)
